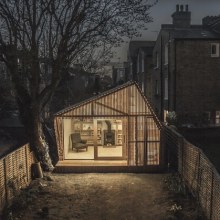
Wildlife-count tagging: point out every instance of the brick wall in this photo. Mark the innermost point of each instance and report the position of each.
(197, 77)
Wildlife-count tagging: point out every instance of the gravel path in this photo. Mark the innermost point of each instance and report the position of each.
(101, 197)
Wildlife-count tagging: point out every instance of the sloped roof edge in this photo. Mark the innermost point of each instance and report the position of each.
(86, 101)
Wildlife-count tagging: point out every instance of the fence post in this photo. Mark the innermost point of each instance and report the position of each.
(211, 199)
(198, 175)
(6, 179)
(27, 162)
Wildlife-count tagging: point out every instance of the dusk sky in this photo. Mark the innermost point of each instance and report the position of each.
(161, 14)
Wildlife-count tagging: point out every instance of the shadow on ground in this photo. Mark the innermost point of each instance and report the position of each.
(104, 197)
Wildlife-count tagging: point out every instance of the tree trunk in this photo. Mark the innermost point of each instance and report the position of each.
(33, 126)
(40, 146)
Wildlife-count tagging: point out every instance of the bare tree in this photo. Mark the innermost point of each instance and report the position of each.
(58, 32)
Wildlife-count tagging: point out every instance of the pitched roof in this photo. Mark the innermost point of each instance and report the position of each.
(129, 83)
(194, 33)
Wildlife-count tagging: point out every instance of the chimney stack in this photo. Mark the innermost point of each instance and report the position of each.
(182, 17)
(181, 8)
(177, 8)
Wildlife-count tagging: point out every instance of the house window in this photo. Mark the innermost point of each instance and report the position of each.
(166, 55)
(217, 117)
(166, 89)
(215, 50)
(165, 112)
(143, 87)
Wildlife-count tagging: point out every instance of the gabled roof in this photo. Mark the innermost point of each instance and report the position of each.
(129, 83)
(132, 103)
(194, 34)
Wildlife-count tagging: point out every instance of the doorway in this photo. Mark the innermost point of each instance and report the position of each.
(110, 143)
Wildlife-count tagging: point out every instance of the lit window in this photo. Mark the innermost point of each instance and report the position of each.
(215, 50)
(217, 117)
(143, 87)
(165, 112)
(166, 54)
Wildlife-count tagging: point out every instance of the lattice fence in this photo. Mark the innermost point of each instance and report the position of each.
(15, 173)
(197, 172)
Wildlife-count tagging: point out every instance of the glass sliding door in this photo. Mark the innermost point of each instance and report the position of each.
(95, 139)
(79, 136)
(109, 139)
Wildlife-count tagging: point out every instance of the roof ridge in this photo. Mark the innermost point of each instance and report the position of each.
(107, 92)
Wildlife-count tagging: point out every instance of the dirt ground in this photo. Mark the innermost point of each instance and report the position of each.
(102, 197)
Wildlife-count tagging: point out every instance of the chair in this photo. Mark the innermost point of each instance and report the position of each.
(77, 142)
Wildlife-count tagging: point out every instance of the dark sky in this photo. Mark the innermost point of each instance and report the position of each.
(161, 14)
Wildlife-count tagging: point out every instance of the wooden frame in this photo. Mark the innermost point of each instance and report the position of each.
(141, 127)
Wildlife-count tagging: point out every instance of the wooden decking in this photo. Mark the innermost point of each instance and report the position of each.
(92, 163)
(86, 166)
(101, 166)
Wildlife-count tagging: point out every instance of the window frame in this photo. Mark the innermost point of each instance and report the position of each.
(216, 54)
(166, 88)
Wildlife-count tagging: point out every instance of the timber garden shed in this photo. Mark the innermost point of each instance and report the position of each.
(116, 131)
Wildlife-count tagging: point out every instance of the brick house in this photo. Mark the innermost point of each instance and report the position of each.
(140, 59)
(186, 71)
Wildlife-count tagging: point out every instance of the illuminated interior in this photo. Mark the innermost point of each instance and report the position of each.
(102, 137)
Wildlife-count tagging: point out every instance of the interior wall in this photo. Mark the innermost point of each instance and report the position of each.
(67, 132)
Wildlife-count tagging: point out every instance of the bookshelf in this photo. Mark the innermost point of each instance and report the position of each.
(86, 130)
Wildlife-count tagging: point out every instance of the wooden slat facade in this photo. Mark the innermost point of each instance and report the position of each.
(142, 145)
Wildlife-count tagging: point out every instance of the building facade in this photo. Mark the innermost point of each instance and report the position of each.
(140, 61)
(186, 71)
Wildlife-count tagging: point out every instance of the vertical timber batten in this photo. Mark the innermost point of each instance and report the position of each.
(141, 130)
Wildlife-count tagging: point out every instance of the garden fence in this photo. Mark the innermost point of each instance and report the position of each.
(197, 172)
(15, 173)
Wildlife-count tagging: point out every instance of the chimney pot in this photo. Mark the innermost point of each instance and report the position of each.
(187, 8)
(177, 8)
(181, 7)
